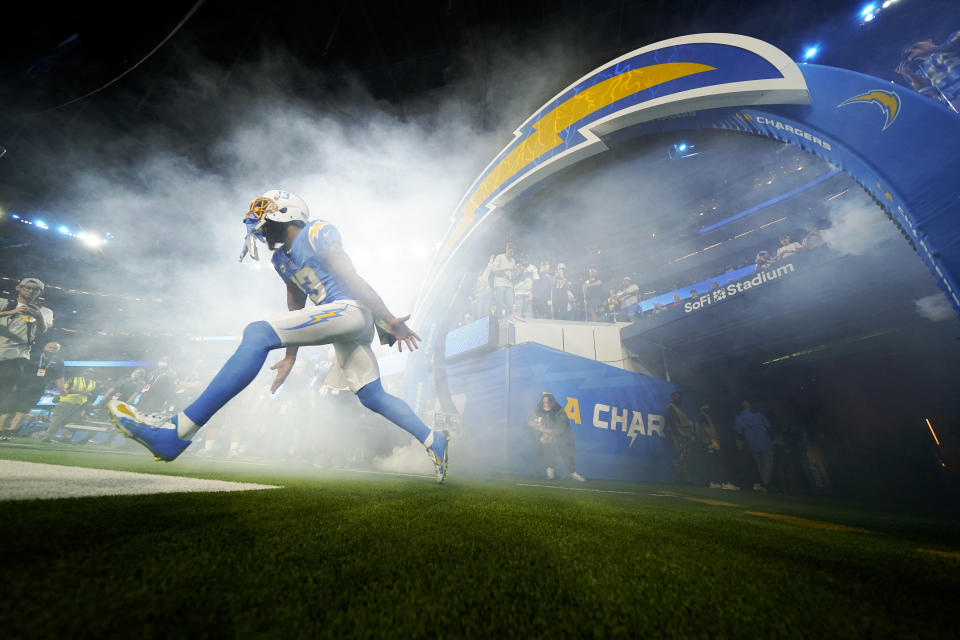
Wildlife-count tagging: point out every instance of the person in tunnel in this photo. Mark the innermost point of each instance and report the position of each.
(309, 257)
(682, 432)
(753, 430)
(554, 436)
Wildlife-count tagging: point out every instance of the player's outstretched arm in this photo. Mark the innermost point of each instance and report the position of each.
(342, 267)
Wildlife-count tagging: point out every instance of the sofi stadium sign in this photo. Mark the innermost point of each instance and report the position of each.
(736, 288)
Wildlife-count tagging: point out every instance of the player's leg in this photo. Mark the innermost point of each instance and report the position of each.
(167, 439)
(316, 325)
(359, 366)
(259, 338)
(311, 326)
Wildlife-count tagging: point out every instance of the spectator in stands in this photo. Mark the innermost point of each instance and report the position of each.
(593, 297)
(22, 322)
(787, 248)
(45, 370)
(540, 293)
(753, 429)
(677, 301)
(934, 70)
(714, 463)
(680, 429)
(658, 308)
(611, 308)
(554, 436)
(811, 239)
(504, 271)
(189, 385)
(78, 391)
(157, 395)
(127, 388)
(763, 261)
(561, 294)
(694, 294)
(482, 290)
(523, 291)
(629, 296)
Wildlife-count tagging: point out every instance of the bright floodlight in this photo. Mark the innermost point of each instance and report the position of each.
(64, 230)
(14, 216)
(682, 147)
(869, 17)
(868, 10)
(811, 52)
(41, 224)
(90, 239)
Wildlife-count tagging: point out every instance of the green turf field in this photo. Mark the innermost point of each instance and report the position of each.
(352, 554)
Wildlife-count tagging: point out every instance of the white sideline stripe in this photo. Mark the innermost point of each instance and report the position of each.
(36, 481)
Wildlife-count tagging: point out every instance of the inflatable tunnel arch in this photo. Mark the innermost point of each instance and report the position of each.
(900, 146)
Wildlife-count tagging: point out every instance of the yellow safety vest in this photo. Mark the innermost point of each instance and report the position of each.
(77, 389)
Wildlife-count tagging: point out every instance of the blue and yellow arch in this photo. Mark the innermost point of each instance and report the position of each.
(896, 143)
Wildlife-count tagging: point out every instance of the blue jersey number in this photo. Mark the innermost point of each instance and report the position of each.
(310, 283)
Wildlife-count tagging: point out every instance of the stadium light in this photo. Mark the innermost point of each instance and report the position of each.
(41, 224)
(14, 216)
(868, 10)
(90, 239)
(811, 52)
(682, 147)
(870, 17)
(64, 230)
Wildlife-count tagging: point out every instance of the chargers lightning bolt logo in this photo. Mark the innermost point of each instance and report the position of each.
(888, 101)
(315, 231)
(317, 318)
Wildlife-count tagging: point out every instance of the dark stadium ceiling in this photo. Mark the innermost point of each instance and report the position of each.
(54, 54)
(399, 48)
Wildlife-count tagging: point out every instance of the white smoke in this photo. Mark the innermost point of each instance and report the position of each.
(855, 228)
(408, 458)
(935, 307)
(387, 177)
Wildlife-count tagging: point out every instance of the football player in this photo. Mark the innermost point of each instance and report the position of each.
(309, 257)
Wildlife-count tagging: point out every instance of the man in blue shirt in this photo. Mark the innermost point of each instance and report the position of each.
(310, 259)
(753, 428)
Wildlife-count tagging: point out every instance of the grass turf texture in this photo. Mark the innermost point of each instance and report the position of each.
(372, 555)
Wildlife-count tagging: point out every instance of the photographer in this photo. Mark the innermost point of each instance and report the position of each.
(555, 435)
(43, 371)
(22, 321)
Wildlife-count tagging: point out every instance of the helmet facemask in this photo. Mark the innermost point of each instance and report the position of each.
(268, 217)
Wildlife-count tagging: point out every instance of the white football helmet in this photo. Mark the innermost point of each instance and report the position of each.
(279, 206)
(276, 206)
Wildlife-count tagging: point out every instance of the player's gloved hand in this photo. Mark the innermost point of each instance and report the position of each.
(282, 367)
(405, 335)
